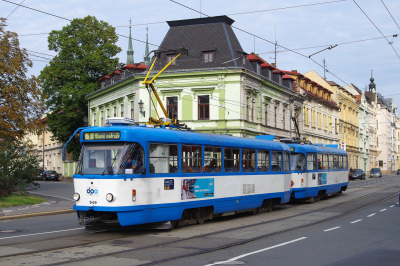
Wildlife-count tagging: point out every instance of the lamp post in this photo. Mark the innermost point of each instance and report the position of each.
(140, 103)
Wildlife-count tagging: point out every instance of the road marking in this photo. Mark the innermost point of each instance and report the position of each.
(254, 252)
(353, 222)
(52, 232)
(371, 215)
(332, 229)
(383, 210)
(397, 203)
(391, 206)
(51, 195)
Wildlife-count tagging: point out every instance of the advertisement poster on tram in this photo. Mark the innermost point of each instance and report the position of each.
(197, 188)
(321, 178)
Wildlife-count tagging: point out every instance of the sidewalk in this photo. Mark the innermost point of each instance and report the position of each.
(54, 205)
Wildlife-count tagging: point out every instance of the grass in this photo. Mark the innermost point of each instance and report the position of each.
(17, 199)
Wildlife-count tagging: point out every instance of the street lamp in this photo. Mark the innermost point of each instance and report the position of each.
(140, 103)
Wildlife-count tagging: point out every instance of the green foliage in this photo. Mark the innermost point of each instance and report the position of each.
(19, 168)
(17, 200)
(85, 49)
(21, 102)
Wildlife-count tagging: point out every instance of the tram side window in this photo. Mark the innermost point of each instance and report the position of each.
(311, 161)
(286, 161)
(231, 160)
(263, 161)
(191, 159)
(319, 161)
(344, 161)
(340, 161)
(276, 161)
(325, 162)
(163, 158)
(335, 161)
(213, 159)
(248, 160)
(298, 162)
(330, 161)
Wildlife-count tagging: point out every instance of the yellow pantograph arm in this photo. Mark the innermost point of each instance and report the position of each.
(148, 72)
(162, 70)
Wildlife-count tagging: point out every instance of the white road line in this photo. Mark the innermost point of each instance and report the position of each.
(383, 210)
(353, 222)
(332, 229)
(254, 252)
(397, 203)
(44, 233)
(371, 215)
(50, 195)
(391, 206)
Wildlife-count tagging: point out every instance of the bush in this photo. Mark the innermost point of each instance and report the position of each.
(18, 167)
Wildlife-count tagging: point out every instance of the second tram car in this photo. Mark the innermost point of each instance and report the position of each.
(137, 175)
(317, 171)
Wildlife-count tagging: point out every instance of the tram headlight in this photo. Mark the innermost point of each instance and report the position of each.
(76, 196)
(109, 197)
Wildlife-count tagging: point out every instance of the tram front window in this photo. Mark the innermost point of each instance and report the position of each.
(297, 162)
(111, 159)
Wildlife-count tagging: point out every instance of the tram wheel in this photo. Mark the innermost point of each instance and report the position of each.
(201, 218)
(270, 205)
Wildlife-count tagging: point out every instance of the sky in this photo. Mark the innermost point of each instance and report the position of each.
(293, 24)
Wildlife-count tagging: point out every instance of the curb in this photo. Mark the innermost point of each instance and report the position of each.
(12, 217)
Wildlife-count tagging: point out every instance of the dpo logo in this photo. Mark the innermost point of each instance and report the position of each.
(92, 191)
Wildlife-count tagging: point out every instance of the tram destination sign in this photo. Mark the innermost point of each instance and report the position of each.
(109, 135)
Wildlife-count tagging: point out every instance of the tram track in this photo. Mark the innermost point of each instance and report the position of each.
(216, 232)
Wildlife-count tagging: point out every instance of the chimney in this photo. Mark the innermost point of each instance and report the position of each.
(294, 71)
(273, 64)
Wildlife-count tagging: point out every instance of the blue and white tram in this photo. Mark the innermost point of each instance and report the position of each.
(317, 171)
(137, 175)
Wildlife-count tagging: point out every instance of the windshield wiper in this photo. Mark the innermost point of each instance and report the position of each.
(109, 168)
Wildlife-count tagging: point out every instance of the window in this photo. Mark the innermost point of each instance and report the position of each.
(266, 115)
(231, 160)
(345, 162)
(286, 161)
(108, 113)
(133, 160)
(94, 119)
(244, 60)
(297, 162)
(248, 160)
(380, 163)
(172, 107)
(122, 110)
(319, 161)
(115, 111)
(204, 107)
(102, 118)
(163, 158)
(213, 159)
(248, 108)
(330, 161)
(324, 162)
(170, 58)
(262, 161)
(311, 161)
(275, 116)
(340, 161)
(335, 162)
(276, 161)
(208, 57)
(132, 109)
(191, 159)
(284, 120)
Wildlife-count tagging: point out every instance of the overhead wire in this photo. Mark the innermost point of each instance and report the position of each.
(14, 10)
(256, 36)
(390, 14)
(377, 29)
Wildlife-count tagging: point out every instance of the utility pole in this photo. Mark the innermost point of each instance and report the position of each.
(324, 68)
(276, 43)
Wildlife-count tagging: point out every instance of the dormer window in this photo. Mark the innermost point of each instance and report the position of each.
(208, 57)
(170, 58)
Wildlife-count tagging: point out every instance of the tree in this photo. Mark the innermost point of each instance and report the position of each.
(21, 102)
(18, 168)
(85, 49)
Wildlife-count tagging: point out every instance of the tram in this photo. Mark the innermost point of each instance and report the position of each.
(317, 171)
(133, 175)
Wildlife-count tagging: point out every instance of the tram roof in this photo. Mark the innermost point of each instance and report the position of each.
(162, 135)
(304, 148)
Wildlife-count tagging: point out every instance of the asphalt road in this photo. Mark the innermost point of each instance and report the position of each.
(55, 188)
(282, 237)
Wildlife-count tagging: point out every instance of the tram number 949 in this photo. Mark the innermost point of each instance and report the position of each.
(92, 202)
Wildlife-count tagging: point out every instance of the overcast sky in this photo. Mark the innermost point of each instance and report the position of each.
(313, 25)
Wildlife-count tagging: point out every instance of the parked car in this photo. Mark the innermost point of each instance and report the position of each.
(376, 172)
(49, 175)
(398, 171)
(358, 173)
